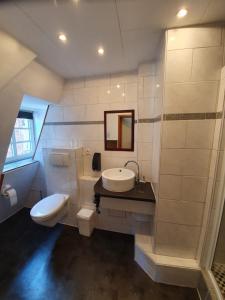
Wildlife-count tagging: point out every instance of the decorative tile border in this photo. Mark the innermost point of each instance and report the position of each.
(75, 123)
(150, 120)
(193, 116)
(166, 117)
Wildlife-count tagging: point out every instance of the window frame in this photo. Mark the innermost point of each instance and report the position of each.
(13, 143)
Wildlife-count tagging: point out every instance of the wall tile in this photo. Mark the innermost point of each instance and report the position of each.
(145, 132)
(185, 162)
(145, 151)
(74, 113)
(193, 37)
(180, 212)
(196, 162)
(95, 112)
(172, 161)
(174, 134)
(170, 187)
(194, 188)
(200, 134)
(191, 97)
(149, 87)
(55, 113)
(207, 63)
(145, 108)
(67, 97)
(178, 66)
(146, 169)
(177, 240)
(131, 92)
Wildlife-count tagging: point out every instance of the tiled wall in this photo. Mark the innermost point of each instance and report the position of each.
(194, 58)
(86, 100)
(78, 122)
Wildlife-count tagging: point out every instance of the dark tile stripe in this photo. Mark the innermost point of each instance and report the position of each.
(150, 120)
(166, 117)
(75, 123)
(193, 116)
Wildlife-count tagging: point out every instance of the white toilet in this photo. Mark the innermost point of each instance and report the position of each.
(50, 210)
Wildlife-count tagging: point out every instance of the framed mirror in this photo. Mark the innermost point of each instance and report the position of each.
(119, 130)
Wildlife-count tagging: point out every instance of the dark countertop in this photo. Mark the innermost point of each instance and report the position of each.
(141, 192)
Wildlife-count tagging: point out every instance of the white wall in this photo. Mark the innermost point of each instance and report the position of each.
(20, 75)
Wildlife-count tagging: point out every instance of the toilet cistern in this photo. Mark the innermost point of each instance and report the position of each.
(138, 169)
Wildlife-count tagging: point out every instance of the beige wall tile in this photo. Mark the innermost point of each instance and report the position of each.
(174, 134)
(179, 65)
(180, 212)
(193, 162)
(194, 188)
(194, 37)
(177, 240)
(207, 63)
(190, 97)
(172, 161)
(200, 134)
(196, 162)
(170, 187)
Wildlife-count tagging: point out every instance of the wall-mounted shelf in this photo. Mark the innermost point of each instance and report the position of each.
(141, 192)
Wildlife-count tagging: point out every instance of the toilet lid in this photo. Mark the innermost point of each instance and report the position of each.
(48, 206)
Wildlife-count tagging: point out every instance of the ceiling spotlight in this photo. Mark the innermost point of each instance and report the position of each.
(62, 37)
(108, 92)
(123, 94)
(158, 85)
(118, 86)
(182, 13)
(101, 51)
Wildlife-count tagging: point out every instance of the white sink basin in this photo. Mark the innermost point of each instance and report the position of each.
(118, 179)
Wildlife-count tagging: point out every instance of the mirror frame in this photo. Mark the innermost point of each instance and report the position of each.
(132, 128)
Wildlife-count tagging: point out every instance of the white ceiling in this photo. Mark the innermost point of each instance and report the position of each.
(129, 30)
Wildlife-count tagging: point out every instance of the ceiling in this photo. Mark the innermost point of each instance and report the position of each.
(129, 30)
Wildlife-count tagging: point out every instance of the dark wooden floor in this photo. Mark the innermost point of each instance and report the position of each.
(38, 263)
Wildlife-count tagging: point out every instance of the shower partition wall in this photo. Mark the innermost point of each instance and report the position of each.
(213, 256)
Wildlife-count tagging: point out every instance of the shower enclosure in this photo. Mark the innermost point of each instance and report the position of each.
(213, 257)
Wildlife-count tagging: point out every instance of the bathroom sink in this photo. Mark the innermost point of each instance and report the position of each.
(118, 179)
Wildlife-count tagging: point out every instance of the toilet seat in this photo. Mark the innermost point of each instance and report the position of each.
(48, 207)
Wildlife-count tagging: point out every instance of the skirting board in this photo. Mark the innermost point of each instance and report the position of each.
(165, 269)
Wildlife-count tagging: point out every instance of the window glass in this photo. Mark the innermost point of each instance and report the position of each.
(22, 142)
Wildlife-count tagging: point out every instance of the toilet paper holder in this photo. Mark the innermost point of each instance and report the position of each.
(5, 189)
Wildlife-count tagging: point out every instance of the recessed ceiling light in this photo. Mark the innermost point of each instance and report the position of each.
(182, 13)
(62, 37)
(108, 92)
(118, 86)
(158, 85)
(101, 51)
(123, 94)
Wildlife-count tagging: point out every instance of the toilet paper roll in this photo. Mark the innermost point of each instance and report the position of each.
(11, 194)
(12, 197)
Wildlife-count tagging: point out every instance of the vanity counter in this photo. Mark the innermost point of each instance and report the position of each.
(141, 192)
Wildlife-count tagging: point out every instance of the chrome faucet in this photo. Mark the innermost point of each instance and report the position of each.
(138, 174)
